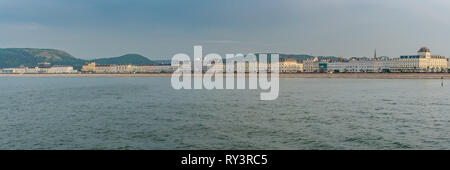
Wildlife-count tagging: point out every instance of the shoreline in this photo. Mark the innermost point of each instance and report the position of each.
(282, 75)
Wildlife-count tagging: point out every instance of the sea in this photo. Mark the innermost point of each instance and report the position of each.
(128, 113)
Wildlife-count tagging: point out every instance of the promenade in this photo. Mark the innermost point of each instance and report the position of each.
(282, 75)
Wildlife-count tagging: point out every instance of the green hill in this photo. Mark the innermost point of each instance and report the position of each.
(15, 57)
(30, 57)
(305, 57)
(298, 56)
(125, 59)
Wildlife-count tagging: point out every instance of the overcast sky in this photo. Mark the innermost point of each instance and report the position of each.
(161, 28)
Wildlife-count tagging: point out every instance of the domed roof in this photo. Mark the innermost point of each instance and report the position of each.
(424, 49)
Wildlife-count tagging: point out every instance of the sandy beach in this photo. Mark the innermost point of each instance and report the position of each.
(282, 75)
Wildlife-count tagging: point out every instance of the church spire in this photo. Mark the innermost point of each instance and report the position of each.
(375, 54)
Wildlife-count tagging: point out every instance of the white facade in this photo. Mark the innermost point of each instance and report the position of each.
(359, 65)
(362, 65)
(61, 70)
(163, 68)
(127, 68)
(337, 67)
(423, 62)
(290, 65)
(311, 65)
(34, 70)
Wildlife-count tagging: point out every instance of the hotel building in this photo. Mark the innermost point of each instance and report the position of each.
(315, 65)
(47, 69)
(422, 62)
(290, 65)
(358, 65)
(126, 68)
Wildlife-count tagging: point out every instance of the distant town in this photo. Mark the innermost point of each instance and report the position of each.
(422, 62)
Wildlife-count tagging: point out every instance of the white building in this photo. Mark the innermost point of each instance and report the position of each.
(337, 66)
(290, 65)
(34, 70)
(61, 70)
(311, 65)
(163, 69)
(422, 62)
(126, 68)
(361, 65)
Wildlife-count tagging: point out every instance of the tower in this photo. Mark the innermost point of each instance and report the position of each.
(424, 52)
(375, 54)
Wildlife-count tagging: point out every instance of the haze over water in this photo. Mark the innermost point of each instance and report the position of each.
(146, 113)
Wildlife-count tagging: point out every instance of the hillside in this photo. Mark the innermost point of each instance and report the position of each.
(304, 56)
(30, 57)
(15, 57)
(299, 56)
(125, 59)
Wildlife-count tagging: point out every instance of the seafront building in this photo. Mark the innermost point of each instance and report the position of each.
(233, 66)
(290, 65)
(422, 62)
(57, 69)
(126, 68)
(315, 65)
(357, 65)
(311, 65)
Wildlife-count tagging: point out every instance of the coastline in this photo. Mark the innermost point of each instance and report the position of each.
(282, 75)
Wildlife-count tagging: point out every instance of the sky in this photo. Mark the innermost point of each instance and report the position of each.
(159, 29)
